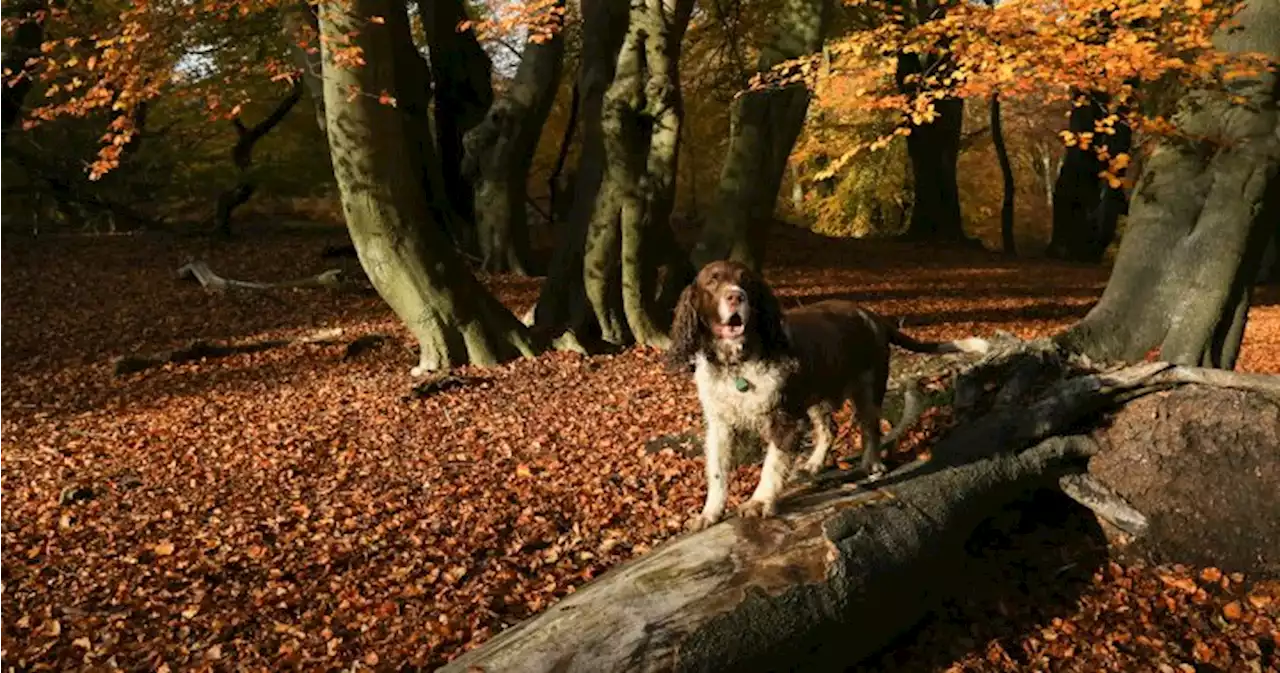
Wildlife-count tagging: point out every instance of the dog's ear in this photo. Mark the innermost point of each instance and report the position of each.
(686, 328)
(768, 317)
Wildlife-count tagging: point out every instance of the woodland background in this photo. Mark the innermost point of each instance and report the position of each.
(205, 479)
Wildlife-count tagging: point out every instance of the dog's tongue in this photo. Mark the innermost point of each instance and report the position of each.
(730, 329)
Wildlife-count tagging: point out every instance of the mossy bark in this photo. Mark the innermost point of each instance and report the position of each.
(562, 302)
(641, 124)
(499, 154)
(763, 129)
(1200, 221)
(405, 254)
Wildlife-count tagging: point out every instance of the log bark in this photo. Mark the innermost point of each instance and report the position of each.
(1198, 226)
(843, 571)
(400, 245)
(763, 129)
(499, 154)
(1200, 464)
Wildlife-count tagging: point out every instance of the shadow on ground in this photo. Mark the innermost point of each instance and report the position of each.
(1026, 566)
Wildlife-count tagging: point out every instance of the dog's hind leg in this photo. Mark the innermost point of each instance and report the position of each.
(823, 437)
(867, 397)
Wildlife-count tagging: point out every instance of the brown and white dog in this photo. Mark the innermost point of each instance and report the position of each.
(761, 371)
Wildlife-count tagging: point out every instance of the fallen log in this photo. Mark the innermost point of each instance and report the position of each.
(201, 349)
(209, 280)
(847, 567)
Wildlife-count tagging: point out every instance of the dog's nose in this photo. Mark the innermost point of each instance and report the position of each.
(734, 297)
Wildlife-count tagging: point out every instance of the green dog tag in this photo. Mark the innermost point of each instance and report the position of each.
(741, 384)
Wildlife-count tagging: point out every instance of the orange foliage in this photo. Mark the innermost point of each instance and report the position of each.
(1042, 50)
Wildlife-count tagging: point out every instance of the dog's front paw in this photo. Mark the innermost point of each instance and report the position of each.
(700, 522)
(757, 508)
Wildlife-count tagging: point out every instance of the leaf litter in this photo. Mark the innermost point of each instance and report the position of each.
(296, 507)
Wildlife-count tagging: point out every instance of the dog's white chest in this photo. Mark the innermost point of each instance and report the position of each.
(740, 396)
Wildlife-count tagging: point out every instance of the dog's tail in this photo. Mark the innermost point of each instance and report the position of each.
(969, 345)
(913, 404)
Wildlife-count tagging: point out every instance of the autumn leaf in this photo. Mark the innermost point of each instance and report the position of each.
(164, 548)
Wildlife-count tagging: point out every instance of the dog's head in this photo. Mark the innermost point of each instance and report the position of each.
(729, 313)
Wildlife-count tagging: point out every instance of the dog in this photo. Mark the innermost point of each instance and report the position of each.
(761, 371)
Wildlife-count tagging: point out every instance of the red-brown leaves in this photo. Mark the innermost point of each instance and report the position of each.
(287, 508)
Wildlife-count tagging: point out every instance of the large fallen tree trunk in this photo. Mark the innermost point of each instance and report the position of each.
(846, 568)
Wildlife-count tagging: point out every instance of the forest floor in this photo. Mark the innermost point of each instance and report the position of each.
(295, 506)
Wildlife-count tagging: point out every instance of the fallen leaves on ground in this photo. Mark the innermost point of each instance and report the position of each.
(298, 507)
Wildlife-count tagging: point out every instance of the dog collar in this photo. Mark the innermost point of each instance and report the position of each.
(741, 384)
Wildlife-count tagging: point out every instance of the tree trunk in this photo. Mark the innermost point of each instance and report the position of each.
(641, 123)
(21, 45)
(1007, 240)
(562, 304)
(302, 28)
(500, 153)
(405, 254)
(412, 92)
(1085, 206)
(934, 149)
(1199, 223)
(843, 570)
(763, 129)
(463, 94)
(242, 157)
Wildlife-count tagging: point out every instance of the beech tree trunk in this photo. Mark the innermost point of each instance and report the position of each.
(641, 123)
(500, 152)
(1199, 224)
(463, 94)
(562, 303)
(1009, 243)
(844, 569)
(24, 45)
(1085, 207)
(402, 249)
(763, 129)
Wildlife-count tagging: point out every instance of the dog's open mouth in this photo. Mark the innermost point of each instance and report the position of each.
(732, 328)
